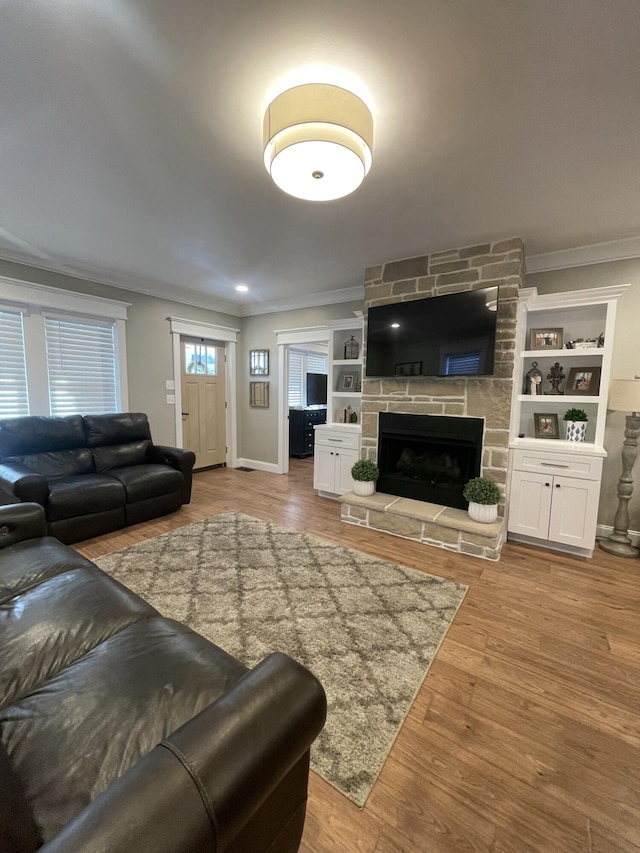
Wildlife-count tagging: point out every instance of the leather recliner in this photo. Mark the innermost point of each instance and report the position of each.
(92, 474)
(121, 730)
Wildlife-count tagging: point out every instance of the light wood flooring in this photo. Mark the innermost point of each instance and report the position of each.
(525, 735)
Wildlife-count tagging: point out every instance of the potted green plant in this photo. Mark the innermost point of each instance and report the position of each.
(483, 496)
(576, 421)
(364, 473)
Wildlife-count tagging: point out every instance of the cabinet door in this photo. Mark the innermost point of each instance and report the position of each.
(324, 463)
(530, 504)
(344, 464)
(574, 511)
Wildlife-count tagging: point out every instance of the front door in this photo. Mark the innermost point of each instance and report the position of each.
(203, 401)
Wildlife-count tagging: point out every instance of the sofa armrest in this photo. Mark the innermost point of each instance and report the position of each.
(214, 772)
(21, 521)
(23, 484)
(181, 460)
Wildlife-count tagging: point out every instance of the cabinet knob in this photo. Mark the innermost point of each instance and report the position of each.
(547, 484)
(557, 485)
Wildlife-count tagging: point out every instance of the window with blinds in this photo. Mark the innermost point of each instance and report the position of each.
(14, 401)
(81, 366)
(301, 363)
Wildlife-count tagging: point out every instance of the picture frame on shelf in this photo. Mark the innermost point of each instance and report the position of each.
(545, 338)
(259, 362)
(583, 380)
(347, 382)
(259, 395)
(545, 425)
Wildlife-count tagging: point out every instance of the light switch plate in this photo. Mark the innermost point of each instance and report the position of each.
(171, 385)
(171, 399)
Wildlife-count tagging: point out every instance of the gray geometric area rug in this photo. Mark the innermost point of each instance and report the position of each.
(367, 628)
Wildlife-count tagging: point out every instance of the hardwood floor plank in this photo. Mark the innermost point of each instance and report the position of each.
(525, 735)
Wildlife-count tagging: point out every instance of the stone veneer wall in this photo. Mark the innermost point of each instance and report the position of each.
(473, 267)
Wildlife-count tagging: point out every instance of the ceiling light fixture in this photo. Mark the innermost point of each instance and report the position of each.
(318, 140)
(242, 288)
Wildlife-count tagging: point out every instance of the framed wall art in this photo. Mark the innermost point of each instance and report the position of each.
(545, 425)
(583, 380)
(546, 338)
(259, 395)
(259, 362)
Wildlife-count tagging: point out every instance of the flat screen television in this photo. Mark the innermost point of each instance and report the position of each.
(451, 335)
(316, 389)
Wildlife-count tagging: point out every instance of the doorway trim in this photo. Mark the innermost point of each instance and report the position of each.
(219, 334)
(285, 338)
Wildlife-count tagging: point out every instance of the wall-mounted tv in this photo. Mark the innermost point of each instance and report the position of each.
(452, 335)
(316, 389)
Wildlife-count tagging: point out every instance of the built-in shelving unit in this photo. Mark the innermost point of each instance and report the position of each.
(554, 484)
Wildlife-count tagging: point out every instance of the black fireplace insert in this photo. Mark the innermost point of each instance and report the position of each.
(428, 457)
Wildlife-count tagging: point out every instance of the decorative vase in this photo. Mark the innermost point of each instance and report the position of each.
(364, 488)
(576, 430)
(484, 513)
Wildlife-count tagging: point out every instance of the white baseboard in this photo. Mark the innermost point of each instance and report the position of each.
(271, 467)
(603, 531)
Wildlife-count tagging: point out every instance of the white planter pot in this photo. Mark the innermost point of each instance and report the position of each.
(576, 430)
(484, 513)
(364, 487)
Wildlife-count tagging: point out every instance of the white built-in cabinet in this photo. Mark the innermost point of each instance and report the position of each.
(337, 443)
(554, 484)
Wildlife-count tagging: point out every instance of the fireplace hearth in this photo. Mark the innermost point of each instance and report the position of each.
(428, 457)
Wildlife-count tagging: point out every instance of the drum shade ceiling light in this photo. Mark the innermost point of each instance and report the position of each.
(317, 141)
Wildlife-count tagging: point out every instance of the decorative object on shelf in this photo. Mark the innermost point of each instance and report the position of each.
(408, 368)
(258, 362)
(576, 424)
(589, 343)
(351, 348)
(545, 425)
(364, 473)
(348, 381)
(483, 496)
(583, 380)
(317, 141)
(555, 376)
(339, 416)
(353, 417)
(624, 396)
(533, 380)
(259, 395)
(546, 339)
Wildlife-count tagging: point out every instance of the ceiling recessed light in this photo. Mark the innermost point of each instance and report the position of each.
(242, 288)
(395, 325)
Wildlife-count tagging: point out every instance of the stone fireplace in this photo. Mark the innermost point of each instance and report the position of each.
(479, 399)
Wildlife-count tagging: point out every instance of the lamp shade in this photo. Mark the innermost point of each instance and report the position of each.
(624, 395)
(318, 140)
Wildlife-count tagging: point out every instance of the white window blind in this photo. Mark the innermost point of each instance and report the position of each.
(296, 375)
(82, 366)
(316, 363)
(14, 402)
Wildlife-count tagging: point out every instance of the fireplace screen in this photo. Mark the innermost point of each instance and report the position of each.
(427, 457)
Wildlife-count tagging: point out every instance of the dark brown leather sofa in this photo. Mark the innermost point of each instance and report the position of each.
(92, 474)
(122, 731)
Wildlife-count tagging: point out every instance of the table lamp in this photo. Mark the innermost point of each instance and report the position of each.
(624, 396)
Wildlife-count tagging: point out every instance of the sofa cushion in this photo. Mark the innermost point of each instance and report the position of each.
(59, 463)
(67, 604)
(147, 481)
(120, 455)
(28, 563)
(97, 718)
(121, 428)
(35, 434)
(17, 828)
(87, 493)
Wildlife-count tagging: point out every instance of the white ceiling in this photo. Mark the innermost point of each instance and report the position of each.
(131, 136)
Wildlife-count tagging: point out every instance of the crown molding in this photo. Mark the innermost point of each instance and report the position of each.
(596, 253)
(310, 300)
